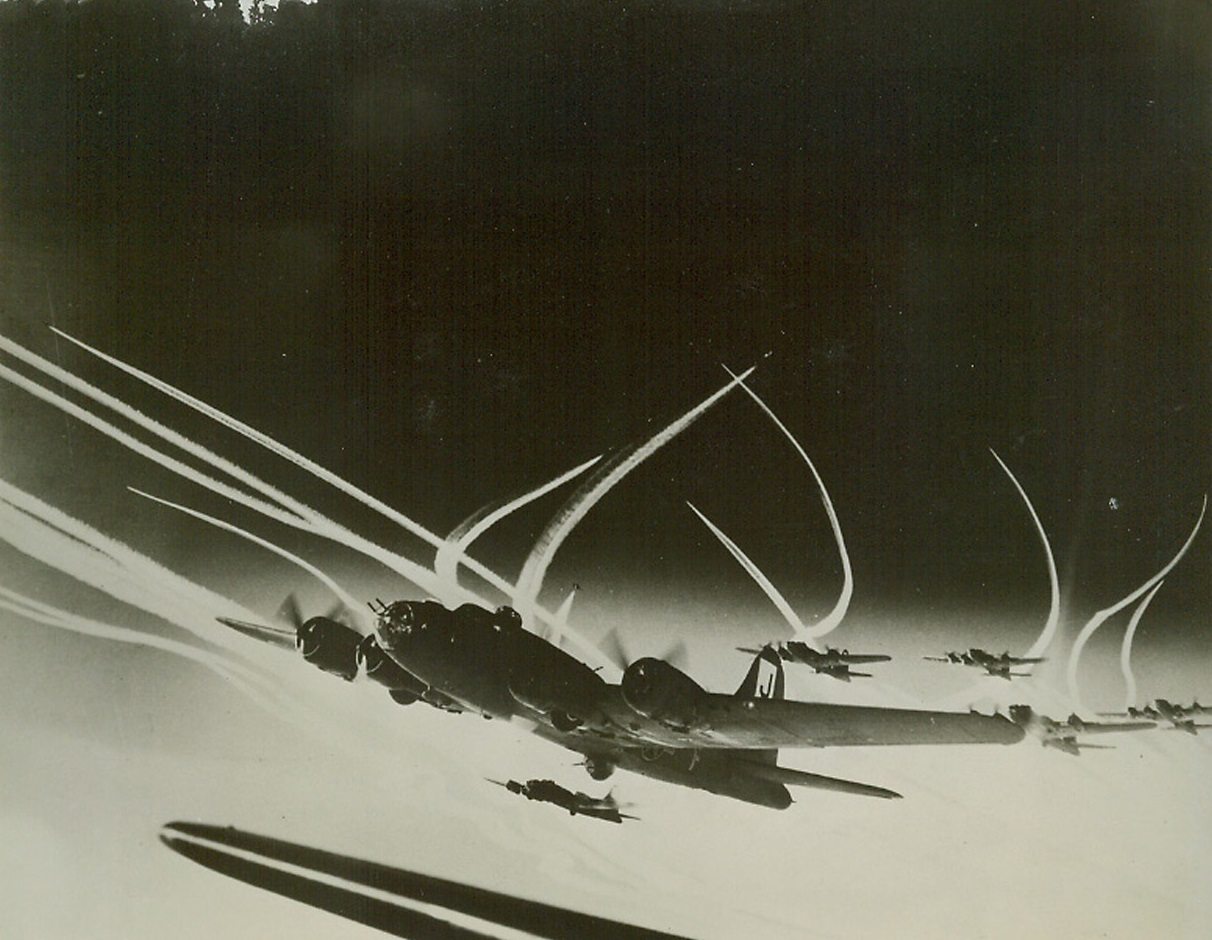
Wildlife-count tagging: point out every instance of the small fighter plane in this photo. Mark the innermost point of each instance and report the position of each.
(1062, 735)
(657, 721)
(830, 662)
(582, 804)
(1179, 717)
(992, 663)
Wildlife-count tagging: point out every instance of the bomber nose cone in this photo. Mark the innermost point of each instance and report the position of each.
(395, 624)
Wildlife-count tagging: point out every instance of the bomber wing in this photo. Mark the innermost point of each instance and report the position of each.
(725, 721)
(857, 659)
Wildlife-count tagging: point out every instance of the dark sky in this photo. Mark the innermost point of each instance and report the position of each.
(450, 250)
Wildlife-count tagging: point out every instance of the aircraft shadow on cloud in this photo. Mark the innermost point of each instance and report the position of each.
(399, 902)
(657, 721)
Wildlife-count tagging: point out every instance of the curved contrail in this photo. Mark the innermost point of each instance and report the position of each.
(347, 600)
(835, 616)
(1125, 651)
(1097, 620)
(1050, 625)
(575, 509)
(446, 561)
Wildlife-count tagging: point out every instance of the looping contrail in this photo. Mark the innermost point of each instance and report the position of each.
(1044, 640)
(1125, 651)
(1101, 616)
(803, 632)
(835, 616)
(579, 504)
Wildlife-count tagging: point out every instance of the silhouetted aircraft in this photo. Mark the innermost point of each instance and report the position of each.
(830, 662)
(1179, 717)
(992, 663)
(1062, 735)
(657, 721)
(577, 804)
(396, 901)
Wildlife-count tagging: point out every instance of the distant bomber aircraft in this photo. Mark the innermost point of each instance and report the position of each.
(548, 791)
(657, 721)
(831, 662)
(993, 664)
(1062, 735)
(1180, 717)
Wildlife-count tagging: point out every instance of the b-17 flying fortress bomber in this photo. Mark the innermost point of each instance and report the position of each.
(453, 651)
(656, 721)
(999, 665)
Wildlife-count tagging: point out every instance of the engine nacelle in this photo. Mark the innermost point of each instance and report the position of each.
(657, 690)
(548, 680)
(385, 671)
(329, 645)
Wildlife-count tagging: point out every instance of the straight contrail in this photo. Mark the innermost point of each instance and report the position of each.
(421, 577)
(239, 676)
(233, 470)
(754, 572)
(347, 600)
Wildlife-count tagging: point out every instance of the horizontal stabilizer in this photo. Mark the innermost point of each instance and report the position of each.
(802, 778)
(276, 636)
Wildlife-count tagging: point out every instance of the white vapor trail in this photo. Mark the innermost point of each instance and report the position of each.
(421, 577)
(754, 572)
(831, 620)
(566, 608)
(135, 416)
(1125, 651)
(145, 450)
(286, 453)
(62, 542)
(1044, 640)
(579, 504)
(346, 599)
(446, 562)
(239, 676)
(314, 522)
(59, 551)
(1101, 616)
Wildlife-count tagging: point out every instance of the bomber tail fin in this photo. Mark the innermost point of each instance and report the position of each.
(776, 685)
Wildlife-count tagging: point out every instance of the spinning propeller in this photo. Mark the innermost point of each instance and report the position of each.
(326, 641)
(615, 650)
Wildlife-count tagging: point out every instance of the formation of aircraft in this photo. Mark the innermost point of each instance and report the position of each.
(1179, 717)
(994, 664)
(1062, 735)
(830, 661)
(577, 804)
(657, 721)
